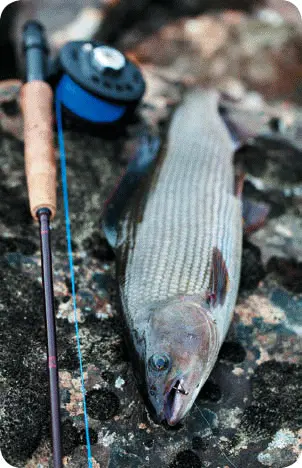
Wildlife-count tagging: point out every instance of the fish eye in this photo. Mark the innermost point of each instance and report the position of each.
(159, 362)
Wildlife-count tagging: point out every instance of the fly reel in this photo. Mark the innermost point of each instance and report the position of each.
(96, 84)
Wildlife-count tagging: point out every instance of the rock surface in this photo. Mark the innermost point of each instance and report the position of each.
(249, 412)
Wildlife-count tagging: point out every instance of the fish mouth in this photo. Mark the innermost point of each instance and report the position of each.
(176, 400)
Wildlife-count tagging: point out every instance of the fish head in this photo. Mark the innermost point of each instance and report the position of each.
(181, 349)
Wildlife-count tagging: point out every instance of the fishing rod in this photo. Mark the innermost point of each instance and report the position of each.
(40, 168)
(93, 84)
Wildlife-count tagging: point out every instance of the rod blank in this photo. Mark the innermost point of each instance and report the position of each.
(44, 216)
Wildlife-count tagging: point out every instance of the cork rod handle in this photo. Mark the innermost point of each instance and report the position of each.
(40, 163)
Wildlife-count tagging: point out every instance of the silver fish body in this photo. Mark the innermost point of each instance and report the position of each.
(178, 258)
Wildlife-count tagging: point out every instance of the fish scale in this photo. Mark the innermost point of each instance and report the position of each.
(190, 210)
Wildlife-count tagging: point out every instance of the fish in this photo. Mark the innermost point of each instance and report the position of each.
(178, 243)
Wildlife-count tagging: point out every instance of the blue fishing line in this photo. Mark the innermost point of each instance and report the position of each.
(71, 267)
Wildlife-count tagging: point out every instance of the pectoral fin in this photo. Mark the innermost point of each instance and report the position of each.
(239, 181)
(137, 169)
(254, 215)
(219, 282)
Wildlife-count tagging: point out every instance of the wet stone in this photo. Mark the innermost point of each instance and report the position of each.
(65, 396)
(23, 366)
(78, 459)
(252, 270)
(186, 459)
(17, 260)
(252, 156)
(98, 247)
(103, 282)
(274, 198)
(10, 108)
(278, 203)
(21, 245)
(278, 400)
(23, 431)
(14, 208)
(68, 356)
(210, 391)
(93, 436)
(85, 301)
(149, 443)
(283, 159)
(67, 351)
(289, 271)
(292, 306)
(232, 352)
(122, 459)
(102, 404)
(279, 459)
(108, 377)
(70, 437)
(68, 284)
(198, 443)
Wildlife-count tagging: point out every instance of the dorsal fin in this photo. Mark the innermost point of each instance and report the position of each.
(219, 281)
(137, 169)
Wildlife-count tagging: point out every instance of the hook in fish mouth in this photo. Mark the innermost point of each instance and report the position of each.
(175, 402)
(179, 388)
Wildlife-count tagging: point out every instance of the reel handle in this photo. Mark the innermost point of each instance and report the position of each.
(37, 103)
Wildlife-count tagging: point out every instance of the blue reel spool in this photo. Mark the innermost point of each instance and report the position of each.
(96, 83)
